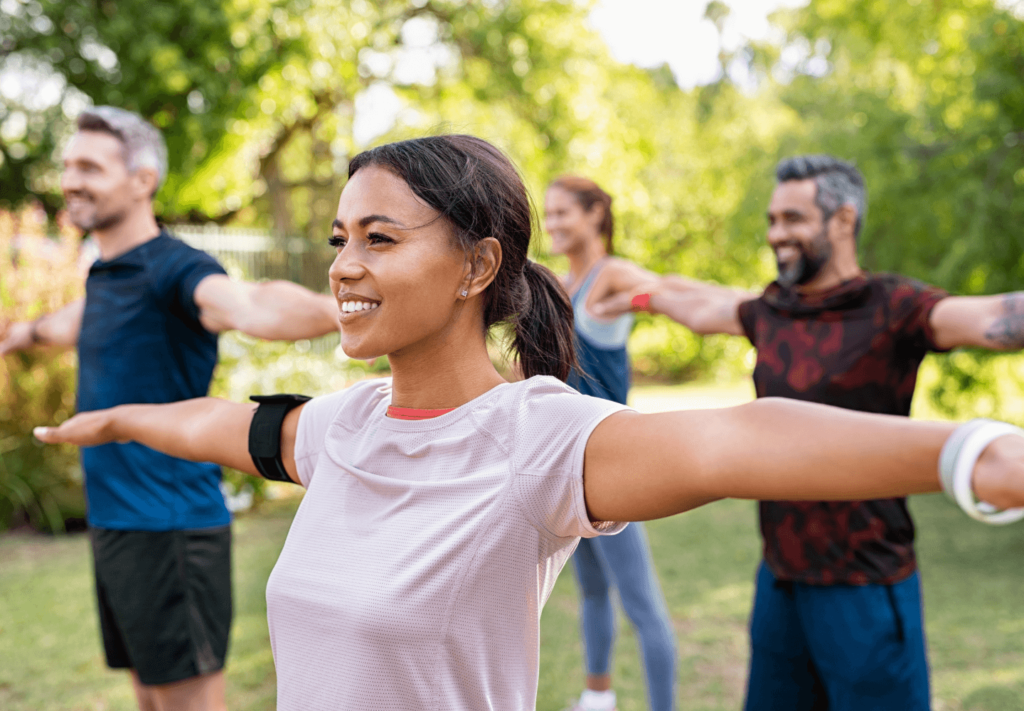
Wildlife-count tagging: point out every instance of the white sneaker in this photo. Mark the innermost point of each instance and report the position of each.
(595, 701)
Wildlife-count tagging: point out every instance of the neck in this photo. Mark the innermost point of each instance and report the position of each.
(136, 228)
(448, 372)
(583, 259)
(832, 275)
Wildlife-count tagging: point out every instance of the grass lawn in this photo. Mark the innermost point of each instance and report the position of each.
(51, 659)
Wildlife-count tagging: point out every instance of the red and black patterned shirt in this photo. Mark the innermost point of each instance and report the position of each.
(856, 346)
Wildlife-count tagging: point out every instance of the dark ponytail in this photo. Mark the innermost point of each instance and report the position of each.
(478, 191)
(544, 328)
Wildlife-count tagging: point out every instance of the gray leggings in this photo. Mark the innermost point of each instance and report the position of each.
(624, 560)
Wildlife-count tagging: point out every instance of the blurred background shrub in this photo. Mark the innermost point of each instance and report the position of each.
(40, 486)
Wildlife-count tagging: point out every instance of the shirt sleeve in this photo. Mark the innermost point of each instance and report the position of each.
(748, 316)
(911, 304)
(181, 271)
(311, 436)
(202, 266)
(553, 426)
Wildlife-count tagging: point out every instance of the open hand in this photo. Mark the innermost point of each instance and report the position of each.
(17, 337)
(621, 302)
(85, 429)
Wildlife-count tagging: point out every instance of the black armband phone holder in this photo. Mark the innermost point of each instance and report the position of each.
(265, 433)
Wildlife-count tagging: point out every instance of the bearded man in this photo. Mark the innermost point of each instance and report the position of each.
(837, 621)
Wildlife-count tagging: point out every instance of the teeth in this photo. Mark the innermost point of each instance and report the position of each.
(353, 306)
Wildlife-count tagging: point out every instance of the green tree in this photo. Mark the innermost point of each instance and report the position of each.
(184, 65)
(927, 99)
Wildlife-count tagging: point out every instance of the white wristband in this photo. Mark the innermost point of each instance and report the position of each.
(951, 450)
(956, 468)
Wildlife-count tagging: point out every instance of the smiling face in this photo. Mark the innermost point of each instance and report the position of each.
(798, 233)
(398, 274)
(571, 226)
(99, 190)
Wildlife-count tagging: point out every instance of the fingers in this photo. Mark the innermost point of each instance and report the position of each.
(7, 345)
(86, 429)
(17, 337)
(48, 435)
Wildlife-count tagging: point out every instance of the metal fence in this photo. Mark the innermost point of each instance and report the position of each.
(259, 255)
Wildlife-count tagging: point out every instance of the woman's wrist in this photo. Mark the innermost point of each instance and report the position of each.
(999, 473)
(33, 332)
(981, 467)
(641, 302)
(644, 302)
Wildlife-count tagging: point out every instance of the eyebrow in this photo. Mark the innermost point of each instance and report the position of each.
(370, 219)
(788, 212)
(81, 160)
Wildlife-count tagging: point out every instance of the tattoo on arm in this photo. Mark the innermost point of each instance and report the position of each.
(1007, 331)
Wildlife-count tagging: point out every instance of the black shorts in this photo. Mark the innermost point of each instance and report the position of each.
(164, 600)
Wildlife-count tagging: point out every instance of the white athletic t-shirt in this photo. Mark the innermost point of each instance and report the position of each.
(416, 568)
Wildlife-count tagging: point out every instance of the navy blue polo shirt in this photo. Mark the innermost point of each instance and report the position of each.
(141, 342)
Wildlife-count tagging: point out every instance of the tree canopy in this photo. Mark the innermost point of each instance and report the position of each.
(263, 103)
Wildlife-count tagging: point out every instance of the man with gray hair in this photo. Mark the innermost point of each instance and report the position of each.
(146, 332)
(837, 621)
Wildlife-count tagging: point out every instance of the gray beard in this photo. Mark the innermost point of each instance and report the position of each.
(799, 271)
(807, 266)
(100, 222)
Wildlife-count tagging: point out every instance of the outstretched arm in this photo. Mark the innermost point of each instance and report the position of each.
(272, 310)
(702, 307)
(618, 276)
(201, 430)
(640, 467)
(57, 329)
(994, 322)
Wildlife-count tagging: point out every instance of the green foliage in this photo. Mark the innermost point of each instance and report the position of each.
(259, 100)
(927, 99)
(185, 65)
(39, 485)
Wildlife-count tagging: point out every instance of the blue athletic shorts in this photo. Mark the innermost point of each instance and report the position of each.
(837, 647)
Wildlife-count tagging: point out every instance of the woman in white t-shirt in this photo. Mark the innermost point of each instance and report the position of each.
(417, 565)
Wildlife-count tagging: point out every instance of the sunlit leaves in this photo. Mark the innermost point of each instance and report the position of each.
(37, 275)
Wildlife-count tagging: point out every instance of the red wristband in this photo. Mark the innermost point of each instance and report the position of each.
(641, 302)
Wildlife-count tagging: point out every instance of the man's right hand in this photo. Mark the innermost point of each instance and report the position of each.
(17, 337)
(59, 328)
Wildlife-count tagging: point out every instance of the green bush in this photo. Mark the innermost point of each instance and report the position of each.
(39, 485)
